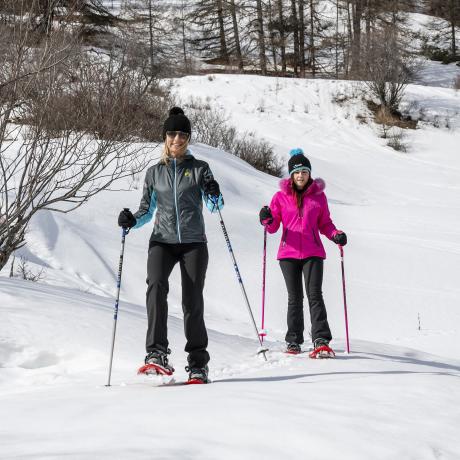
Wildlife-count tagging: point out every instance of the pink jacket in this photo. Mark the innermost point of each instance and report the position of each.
(301, 227)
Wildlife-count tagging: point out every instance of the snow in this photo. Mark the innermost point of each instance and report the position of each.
(379, 402)
(438, 74)
(395, 396)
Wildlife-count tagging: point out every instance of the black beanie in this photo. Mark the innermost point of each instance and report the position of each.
(177, 121)
(298, 161)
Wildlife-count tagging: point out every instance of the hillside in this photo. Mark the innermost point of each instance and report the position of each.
(400, 211)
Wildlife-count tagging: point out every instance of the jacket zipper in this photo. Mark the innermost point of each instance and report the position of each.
(175, 201)
(301, 225)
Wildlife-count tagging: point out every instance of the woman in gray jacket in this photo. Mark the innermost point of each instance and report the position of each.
(175, 188)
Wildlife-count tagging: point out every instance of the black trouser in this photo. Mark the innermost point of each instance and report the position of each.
(193, 259)
(312, 271)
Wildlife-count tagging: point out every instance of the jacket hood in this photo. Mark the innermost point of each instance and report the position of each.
(315, 188)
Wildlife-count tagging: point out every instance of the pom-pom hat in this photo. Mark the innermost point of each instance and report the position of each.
(177, 121)
(298, 161)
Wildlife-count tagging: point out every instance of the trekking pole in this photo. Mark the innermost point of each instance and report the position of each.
(263, 332)
(115, 314)
(344, 299)
(238, 276)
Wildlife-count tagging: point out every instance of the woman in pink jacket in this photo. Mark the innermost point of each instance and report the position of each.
(301, 207)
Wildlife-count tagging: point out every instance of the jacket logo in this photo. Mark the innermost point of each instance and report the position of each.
(187, 173)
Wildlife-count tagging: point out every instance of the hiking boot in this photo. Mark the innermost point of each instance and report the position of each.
(158, 357)
(321, 349)
(293, 348)
(156, 362)
(197, 374)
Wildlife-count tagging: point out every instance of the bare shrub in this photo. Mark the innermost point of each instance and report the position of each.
(340, 98)
(104, 98)
(384, 117)
(258, 153)
(388, 69)
(396, 140)
(68, 124)
(24, 272)
(388, 119)
(212, 127)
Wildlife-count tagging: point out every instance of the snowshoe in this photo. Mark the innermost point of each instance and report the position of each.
(321, 350)
(197, 375)
(293, 349)
(156, 363)
(155, 369)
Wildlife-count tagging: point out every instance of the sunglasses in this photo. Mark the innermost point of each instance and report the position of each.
(182, 136)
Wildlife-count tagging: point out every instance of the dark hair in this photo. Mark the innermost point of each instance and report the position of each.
(299, 194)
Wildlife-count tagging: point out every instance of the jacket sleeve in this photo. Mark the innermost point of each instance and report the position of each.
(212, 204)
(325, 224)
(148, 202)
(275, 208)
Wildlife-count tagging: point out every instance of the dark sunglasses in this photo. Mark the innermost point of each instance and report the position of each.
(182, 136)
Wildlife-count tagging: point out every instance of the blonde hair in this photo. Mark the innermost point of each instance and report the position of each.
(166, 153)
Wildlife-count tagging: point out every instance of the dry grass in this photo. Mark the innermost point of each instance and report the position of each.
(383, 116)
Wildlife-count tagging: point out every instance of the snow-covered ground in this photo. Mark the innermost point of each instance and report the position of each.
(395, 396)
(380, 402)
(435, 73)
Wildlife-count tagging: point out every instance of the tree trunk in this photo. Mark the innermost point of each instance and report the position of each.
(46, 8)
(152, 54)
(302, 38)
(454, 19)
(350, 40)
(295, 26)
(282, 37)
(312, 39)
(11, 239)
(184, 40)
(12, 267)
(239, 56)
(272, 36)
(223, 42)
(454, 47)
(356, 44)
(261, 38)
(368, 28)
(336, 39)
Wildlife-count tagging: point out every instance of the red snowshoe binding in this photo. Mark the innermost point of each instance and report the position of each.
(321, 350)
(156, 363)
(197, 375)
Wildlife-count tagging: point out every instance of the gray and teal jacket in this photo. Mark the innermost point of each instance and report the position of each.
(175, 191)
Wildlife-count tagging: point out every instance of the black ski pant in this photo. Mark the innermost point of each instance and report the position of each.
(193, 260)
(312, 271)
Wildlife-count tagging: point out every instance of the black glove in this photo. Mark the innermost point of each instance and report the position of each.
(126, 219)
(265, 216)
(340, 238)
(212, 188)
